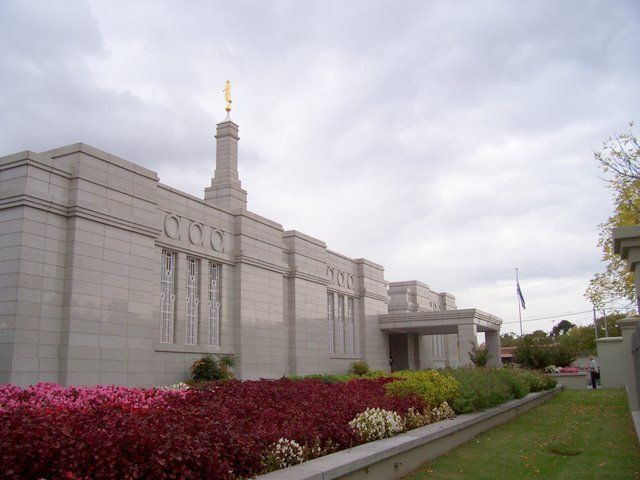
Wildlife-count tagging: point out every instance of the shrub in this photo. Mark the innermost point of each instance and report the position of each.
(376, 423)
(562, 356)
(208, 369)
(532, 355)
(283, 454)
(175, 386)
(535, 380)
(479, 356)
(549, 382)
(441, 412)
(220, 430)
(482, 388)
(432, 387)
(415, 419)
(359, 368)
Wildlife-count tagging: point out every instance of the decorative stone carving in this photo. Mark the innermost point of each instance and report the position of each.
(340, 278)
(172, 226)
(198, 234)
(217, 240)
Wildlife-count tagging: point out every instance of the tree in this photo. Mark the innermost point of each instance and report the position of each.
(613, 330)
(539, 337)
(561, 328)
(619, 160)
(579, 340)
(508, 340)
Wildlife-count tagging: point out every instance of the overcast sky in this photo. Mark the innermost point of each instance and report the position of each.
(449, 141)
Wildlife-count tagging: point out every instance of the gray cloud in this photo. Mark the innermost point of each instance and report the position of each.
(448, 141)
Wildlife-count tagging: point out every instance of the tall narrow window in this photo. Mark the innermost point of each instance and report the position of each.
(350, 330)
(214, 304)
(330, 322)
(340, 325)
(193, 300)
(167, 296)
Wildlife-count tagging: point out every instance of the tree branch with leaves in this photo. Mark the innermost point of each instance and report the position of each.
(619, 160)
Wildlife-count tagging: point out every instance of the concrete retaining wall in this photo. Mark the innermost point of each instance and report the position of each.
(611, 359)
(572, 381)
(392, 458)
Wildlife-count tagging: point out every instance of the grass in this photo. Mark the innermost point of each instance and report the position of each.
(576, 435)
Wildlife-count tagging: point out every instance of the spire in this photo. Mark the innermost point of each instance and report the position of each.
(225, 190)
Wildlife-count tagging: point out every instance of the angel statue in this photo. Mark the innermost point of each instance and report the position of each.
(227, 95)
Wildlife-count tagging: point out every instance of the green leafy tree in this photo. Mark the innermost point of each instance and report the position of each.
(579, 340)
(619, 160)
(561, 328)
(533, 350)
(539, 337)
(611, 320)
(508, 340)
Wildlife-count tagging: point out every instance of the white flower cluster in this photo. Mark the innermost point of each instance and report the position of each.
(442, 412)
(283, 454)
(376, 423)
(415, 419)
(175, 386)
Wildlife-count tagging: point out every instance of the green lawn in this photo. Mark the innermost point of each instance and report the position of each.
(576, 435)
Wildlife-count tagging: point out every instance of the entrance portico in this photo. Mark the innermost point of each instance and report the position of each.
(406, 328)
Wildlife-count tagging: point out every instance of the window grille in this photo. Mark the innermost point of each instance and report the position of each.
(214, 304)
(167, 296)
(193, 300)
(340, 325)
(330, 322)
(350, 341)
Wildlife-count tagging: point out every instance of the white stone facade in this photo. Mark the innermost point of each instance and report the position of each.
(109, 276)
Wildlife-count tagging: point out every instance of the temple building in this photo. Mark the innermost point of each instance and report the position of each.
(108, 276)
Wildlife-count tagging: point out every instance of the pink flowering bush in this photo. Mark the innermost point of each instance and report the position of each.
(221, 431)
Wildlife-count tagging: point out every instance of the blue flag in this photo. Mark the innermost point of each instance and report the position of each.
(520, 297)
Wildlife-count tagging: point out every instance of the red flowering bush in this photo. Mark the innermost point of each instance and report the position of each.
(221, 431)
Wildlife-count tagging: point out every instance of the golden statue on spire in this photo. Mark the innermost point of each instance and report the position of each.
(227, 95)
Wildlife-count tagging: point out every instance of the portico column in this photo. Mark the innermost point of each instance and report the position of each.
(629, 326)
(413, 351)
(492, 341)
(467, 338)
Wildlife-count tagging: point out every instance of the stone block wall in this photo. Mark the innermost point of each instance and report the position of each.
(83, 234)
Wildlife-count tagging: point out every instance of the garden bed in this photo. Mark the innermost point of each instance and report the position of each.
(393, 458)
(227, 430)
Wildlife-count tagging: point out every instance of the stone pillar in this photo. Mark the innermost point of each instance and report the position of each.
(629, 326)
(426, 348)
(492, 341)
(225, 190)
(467, 337)
(413, 349)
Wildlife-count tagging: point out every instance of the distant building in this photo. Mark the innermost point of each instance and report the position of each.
(507, 354)
(109, 276)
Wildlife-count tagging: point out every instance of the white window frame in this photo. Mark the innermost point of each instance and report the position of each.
(214, 304)
(167, 296)
(350, 326)
(340, 324)
(192, 301)
(331, 321)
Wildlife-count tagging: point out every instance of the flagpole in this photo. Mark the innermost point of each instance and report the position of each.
(518, 300)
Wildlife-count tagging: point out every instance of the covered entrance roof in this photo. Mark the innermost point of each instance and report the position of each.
(438, 322)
